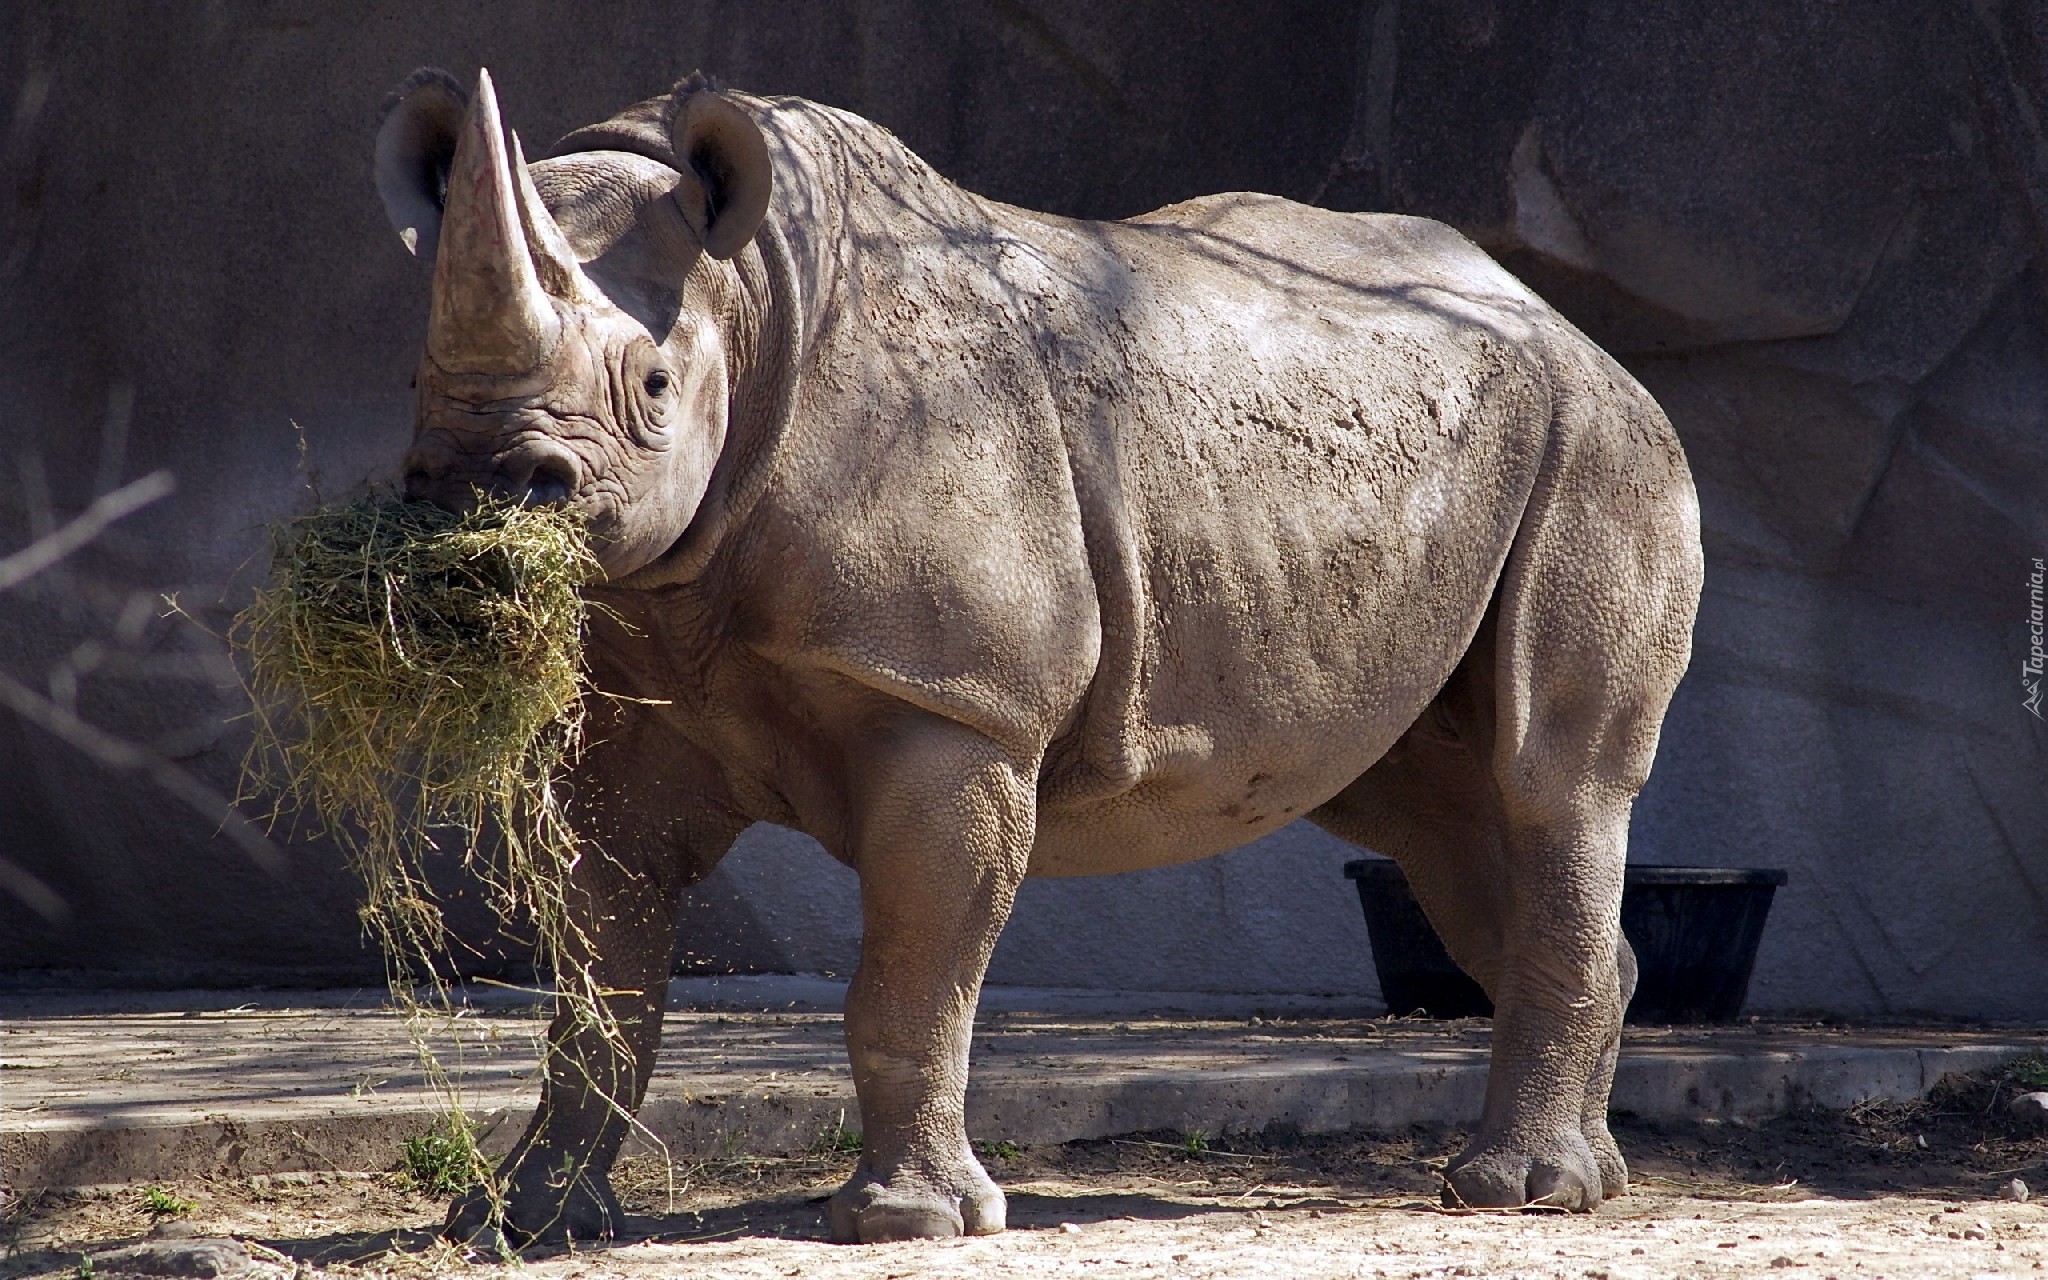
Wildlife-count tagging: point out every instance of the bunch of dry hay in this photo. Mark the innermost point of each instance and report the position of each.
(416, 671)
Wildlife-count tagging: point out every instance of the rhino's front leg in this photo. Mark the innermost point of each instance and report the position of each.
(555, 1185)
(943, 833)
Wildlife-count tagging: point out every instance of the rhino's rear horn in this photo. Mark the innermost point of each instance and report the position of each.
(560, 273)
(490, 313)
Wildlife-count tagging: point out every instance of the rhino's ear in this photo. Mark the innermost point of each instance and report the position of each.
(415, 145)
(726, 174)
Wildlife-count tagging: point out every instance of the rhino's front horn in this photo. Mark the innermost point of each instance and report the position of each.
(490, 314)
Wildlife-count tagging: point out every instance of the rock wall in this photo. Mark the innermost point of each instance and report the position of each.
(1817, 231)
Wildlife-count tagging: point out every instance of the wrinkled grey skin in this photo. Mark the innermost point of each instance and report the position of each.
(980, 543)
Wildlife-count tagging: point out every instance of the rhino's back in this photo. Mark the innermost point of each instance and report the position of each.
(1328, 258)
(1298, 504)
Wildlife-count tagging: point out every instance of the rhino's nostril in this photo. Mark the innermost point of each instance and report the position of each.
(551, 482)
(417, 481)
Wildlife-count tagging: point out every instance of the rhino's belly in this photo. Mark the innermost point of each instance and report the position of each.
(1137, 832)
(1232, 773)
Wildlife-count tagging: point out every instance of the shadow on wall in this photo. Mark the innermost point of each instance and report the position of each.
(1835, 279)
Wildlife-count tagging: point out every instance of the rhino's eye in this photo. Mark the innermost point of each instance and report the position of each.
(657, 382)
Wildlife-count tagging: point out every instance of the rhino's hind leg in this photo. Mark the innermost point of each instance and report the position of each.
(1557, 1022)
(1592, 630)
(1508, 803)
(1607, 1155)
(944, 834)
(1432, 804)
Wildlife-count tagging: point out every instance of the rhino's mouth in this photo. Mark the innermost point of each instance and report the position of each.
(452, 464)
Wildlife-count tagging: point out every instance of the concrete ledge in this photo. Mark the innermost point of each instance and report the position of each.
(113, 1097)
(812, 993)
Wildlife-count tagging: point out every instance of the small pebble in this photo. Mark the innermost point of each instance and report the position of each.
(1976, 1233)
(2014, 1190)
(1068, 1228)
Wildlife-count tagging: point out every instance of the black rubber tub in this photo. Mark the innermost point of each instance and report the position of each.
(1694, 930)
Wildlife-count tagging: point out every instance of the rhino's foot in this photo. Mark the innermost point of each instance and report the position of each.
(544, 1214)
(1607, 1159)
(916, 1205)
(1561, 1174)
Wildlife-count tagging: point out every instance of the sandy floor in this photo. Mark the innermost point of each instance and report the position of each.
(1904, 1191)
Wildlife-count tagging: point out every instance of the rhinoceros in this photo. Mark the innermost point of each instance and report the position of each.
(980, 543)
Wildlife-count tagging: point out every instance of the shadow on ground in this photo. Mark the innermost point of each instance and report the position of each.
(1958, 1144)
(785, 1217)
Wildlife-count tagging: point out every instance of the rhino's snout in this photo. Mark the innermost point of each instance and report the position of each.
(535, 474)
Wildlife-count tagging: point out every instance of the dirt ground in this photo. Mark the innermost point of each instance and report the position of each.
(1884, 1190)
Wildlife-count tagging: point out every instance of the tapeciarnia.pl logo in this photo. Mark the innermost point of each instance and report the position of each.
(2030, 669)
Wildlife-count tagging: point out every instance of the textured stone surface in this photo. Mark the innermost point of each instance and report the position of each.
(1819, 235)
(175, 1257)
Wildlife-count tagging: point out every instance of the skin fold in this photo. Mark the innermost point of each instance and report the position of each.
(979, 543)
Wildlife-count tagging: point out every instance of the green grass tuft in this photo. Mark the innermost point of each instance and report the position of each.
(160, 1203)
(837, 1141)
(444, 1160)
